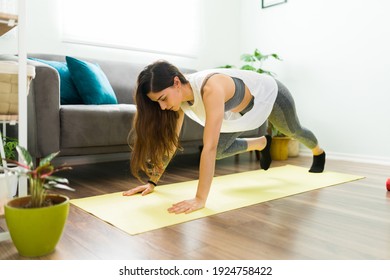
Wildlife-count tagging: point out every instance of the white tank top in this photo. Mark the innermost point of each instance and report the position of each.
(263, 87)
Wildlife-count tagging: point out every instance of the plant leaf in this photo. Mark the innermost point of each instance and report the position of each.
(44, 169)
(23, 165)
(58, 179)
(48, 159)
(274, 55)
(53, 184)
(248, 67)
(227, 66)
(257, 54)
(25, 156)
(262, 71)
(248, 57)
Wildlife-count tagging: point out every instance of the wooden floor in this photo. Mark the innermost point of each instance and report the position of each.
(348, 221)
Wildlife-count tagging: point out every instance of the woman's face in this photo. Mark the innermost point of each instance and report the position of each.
(169, 98)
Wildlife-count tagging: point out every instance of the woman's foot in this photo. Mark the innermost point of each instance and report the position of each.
(318, 163)
(265, 154)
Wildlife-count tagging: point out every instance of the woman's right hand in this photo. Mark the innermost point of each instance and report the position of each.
(144, 190)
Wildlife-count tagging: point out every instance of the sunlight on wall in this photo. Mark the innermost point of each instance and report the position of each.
(170, 26)
(9, 6)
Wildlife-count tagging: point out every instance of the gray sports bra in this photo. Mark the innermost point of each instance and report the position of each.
(238, 96)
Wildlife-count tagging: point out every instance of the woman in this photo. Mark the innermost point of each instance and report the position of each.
(226, 102)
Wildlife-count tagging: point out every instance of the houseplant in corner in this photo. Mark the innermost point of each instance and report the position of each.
(36, 222)
(254, 62)
(279, 147)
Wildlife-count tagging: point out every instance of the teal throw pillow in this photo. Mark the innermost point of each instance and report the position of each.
(68, 90)
(91, 82)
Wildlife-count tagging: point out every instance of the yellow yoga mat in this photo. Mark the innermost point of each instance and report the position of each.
(137, 214)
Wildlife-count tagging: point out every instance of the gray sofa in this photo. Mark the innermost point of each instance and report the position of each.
(83, 130)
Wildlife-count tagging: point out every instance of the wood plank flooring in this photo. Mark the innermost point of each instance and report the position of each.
(348, 221)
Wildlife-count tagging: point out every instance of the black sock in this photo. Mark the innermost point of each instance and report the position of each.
(318, 163)
(265, 154)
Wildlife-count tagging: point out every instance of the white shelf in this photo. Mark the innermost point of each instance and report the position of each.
(7, 22)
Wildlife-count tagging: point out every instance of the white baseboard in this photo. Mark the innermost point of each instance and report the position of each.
(349, 157)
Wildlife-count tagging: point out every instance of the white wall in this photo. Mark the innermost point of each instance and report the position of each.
(335, 60)
(220, 25)
(336, 63)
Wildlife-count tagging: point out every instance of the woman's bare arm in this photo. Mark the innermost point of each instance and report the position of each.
(213, 99)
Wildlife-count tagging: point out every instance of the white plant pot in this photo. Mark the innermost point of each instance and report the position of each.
(8, 183)
(8, 188)
(293, 148)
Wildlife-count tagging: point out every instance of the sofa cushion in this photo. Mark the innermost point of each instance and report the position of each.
(95, 125)
(91, 82)
(68, 90)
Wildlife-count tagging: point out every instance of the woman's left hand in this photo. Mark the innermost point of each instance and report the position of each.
(187, 206)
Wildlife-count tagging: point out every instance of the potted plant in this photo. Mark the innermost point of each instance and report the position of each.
(280, 142)
(35, 222)
(282, 147)
(254, 62)
(10, 144)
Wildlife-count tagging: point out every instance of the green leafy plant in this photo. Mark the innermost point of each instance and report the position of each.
(10, 145)
(275, 132)
(40, 177)
(254, 62)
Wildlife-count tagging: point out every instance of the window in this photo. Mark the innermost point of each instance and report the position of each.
(169, 26)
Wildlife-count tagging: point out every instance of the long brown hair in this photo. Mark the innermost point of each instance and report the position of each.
(153, 138)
